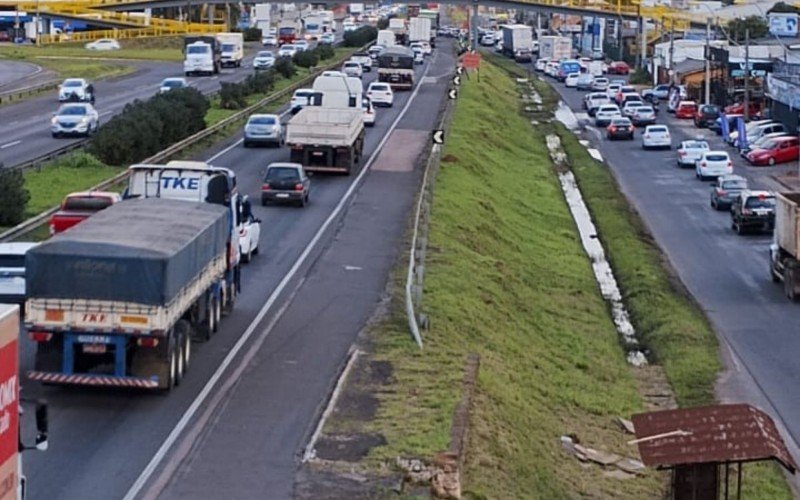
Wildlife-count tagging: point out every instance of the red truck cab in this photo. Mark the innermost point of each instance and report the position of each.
(286, 34)
(79, 206)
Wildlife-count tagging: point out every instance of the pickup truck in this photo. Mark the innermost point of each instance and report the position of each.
(77, 207)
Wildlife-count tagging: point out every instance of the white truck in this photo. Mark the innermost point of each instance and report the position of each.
(555, 47)
(261, 17)
(419, 29)
(595, 68)
(201, 55)
(328, 135)
(785, 248)
(312, 26)
(518, 42)
(398, 27)
(386, 38)
(356, 9)
(231, 49)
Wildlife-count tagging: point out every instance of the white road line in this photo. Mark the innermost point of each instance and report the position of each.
(190, 412)
(13, 143)
(310, 451)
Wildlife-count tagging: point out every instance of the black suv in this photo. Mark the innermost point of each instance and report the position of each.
(753, 210)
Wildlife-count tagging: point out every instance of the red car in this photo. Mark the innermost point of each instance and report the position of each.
(77, 207)
(738, 109)
(777, 150)
(686, 109)
(619, 68)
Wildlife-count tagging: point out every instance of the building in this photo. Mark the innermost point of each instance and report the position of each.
(783, 94)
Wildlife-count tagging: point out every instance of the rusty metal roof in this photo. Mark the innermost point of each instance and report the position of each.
(718, 433)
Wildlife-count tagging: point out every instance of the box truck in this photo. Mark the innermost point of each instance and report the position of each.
(231, 49)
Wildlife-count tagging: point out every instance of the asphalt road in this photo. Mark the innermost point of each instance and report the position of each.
(13, 71)
(103, 440)
(26, 126)
(726, 273)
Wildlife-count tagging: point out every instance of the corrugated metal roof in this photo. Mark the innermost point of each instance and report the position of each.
(719, 433)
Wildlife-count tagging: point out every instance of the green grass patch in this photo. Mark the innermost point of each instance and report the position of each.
(153, 49)
(75, 172)
(506, 277)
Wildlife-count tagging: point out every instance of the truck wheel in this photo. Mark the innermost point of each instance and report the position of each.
(173, 370)
(772, 273)
(209, 325)
(184, 347)
(788, 283)
(217, 313)
(230, 299)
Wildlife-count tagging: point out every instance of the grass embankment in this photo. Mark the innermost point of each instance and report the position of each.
(506, 277)
(666, 319)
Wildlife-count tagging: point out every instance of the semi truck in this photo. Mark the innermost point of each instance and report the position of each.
(12, 479)
(419, 29)
(518, 41)
(115, 301)
(785, 248)
(555, 47)
(231, 49)
(396, 67)
(398, 27)
(288, 32)
(201, 55)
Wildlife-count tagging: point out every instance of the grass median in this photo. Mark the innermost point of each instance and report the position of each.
(667, 319)
(507, 278)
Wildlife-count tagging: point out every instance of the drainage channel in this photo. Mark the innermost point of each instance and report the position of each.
(594, 249)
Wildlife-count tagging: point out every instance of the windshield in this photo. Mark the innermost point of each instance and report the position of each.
(760, 202)
(282, 174)
(380, 87)
(286, 31)
(72, 111)
(657, 130)
(303, 94)
(265, 54)
(623, 122)
(12, 261)
(696, 145)
(312, 26)
(172, 83)
(263, 120)
(200, 49)
(87, 203)
(287, 48)
(228, 47)
(769, 144)
(717, 157)
(734, 185)
(73, 83)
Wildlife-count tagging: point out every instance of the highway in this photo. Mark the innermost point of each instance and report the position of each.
(321, 273)
(726, 273)
(27, 124)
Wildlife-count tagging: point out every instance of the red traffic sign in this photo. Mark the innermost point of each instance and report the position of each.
(472, 61)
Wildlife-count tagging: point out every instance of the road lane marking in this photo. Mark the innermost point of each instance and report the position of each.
(190, 412)
(8, 145)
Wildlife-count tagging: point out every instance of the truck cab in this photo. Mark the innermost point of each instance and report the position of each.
(200, 58)
(231, 49)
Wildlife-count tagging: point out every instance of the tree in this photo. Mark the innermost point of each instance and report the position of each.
(15, 196)
(737, 28)
(783, 7)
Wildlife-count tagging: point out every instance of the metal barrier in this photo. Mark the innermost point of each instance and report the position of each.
(16, 94)
(34, 222)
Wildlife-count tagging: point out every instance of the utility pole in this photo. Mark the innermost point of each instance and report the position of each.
(747, 74)
(708, 63)
(671, 52)
(643, 50)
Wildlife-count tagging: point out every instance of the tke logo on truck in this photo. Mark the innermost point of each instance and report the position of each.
(94, 318)
(185, 183)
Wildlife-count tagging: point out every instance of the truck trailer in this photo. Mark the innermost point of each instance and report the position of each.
(518, 42)
(555, 47)
(419, 29)
(785, 248)
(326, 139)
(115, 300)
(396, 67)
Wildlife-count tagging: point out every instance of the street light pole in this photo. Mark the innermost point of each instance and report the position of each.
(747, 74)
(708, 64)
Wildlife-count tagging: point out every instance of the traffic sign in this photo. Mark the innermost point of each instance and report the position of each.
(459, 70)
(456, 80)
(472, 61)
(452, 94)
(438, 136)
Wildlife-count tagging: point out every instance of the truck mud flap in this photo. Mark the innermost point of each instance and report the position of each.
(93, 380)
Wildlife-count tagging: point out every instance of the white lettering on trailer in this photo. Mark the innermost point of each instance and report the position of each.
(8, 392)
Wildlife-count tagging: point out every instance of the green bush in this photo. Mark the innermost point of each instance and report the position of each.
(324, 52)
(232, 95)
(383, 23)
(641, 76)
(252, 35)
(261, 82)
(146, 127)
(15, 196)
(360, 37)
(306, 59)
(285, 67)
(80, 159)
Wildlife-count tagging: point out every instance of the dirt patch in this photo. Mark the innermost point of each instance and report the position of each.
(449, 159)
(347, 447)
(322, 481)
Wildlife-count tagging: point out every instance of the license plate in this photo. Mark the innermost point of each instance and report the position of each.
(282, 195)
(94, 339)
(94, 348)
(317, 153)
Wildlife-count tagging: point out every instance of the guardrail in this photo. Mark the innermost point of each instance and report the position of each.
(419, 239)
(34, 222)
(16, 94)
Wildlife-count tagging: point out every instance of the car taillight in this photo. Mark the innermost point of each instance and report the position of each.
(147, 342)
(646, 136)
(730, 163)
(747, 211)
(681, 153)
(40, 336)
(722, 192)
(298, 187)
(265, 187)
(612, 128)
(703, 164)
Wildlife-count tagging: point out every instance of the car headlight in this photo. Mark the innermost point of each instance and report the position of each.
(54, 120)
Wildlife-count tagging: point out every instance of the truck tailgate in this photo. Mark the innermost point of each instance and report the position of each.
(325, 126)
(786, 222)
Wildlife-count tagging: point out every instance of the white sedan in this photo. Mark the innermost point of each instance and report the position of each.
(75, 119)
(713, 164)
(571, 81)
(656, 136)
(690, 152)
(380, 94)
(172, 83)
(352, 68)
(287, 50)
(103, 44)
(264, 59)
